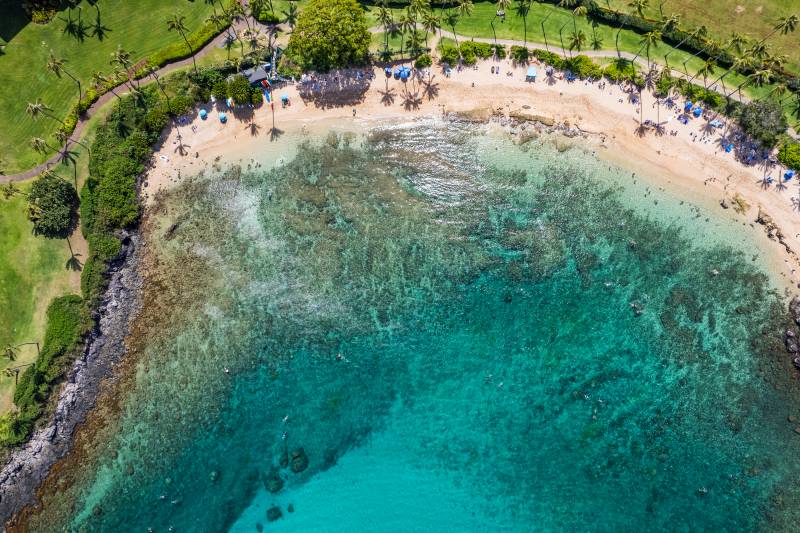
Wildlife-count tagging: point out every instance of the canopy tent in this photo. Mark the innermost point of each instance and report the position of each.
(203, 114)
(285, 98)
(531, 74)
(223, 118)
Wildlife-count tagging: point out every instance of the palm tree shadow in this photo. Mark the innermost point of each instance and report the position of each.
(274, 134)
(411, 100)
(99, 30)
(387, 96)
(73, 263)
(430, 89)
(253, 127)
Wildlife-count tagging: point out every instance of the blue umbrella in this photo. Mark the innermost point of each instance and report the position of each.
(688, 106)
(388, 71)
(789, 175)
(697, 111)
(203, 114)
(729, 148)
(223, 118)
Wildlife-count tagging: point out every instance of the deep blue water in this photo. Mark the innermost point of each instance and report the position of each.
(461, 334)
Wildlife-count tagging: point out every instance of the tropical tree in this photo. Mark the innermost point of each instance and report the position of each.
(176, 23)
(56, 66)
(577, 40)
(451, 19)
(784, 25)
(639, 6)
(37, 108)
(290, 15)
(216, 19)
(41, 146)
(649, 40)
(10, 189)
(502, 5)
(122, 58)
(523, 7)
(696, 33)
(430, 23)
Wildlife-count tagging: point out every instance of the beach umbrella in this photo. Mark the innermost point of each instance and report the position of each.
(789, 175)
(203, 114)
(688, 106)
(729, 148)
(388, 71)
(697, 111)
(223, 118)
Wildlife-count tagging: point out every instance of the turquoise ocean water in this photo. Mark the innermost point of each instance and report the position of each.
(435, 328)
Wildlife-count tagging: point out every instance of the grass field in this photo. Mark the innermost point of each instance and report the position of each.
(33, 270)
(723, 17)
(138, 26)
(559, 22)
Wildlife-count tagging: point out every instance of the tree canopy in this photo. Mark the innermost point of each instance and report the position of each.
(763, 120)
(53, 205)
(330, 34)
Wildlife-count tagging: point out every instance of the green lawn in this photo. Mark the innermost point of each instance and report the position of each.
(723, 17)
(559, 22)
(137, 25)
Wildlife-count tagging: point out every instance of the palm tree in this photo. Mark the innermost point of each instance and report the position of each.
(10, 189)
(290, 15)
(570, 4)
(216, 19)
(639, 6)
(577, 40)
(431, 23)
(41, 146)
(696, 33)
(56, 66)
(649, 40)
(176, 23)
(739, 64)
(705, 70)
(465, 8)
(451, 19)
(523, 8)
(502, 5)
(785, 25)
(34, 109)
(122, 58)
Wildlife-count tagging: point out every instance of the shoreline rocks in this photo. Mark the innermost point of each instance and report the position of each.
(26, 467)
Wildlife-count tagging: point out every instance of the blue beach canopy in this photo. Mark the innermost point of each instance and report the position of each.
(203, 114)
(688, 106)
(698, 111)
(531, 72)
(223, 118)
(789, 175)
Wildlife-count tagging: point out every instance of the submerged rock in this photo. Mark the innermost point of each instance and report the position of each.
(273, 481)
(299, 461)
(274, 513)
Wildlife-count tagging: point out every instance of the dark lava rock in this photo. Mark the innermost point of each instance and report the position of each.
(273, 482)
(274, 513)
(794, 309)
(299, 461)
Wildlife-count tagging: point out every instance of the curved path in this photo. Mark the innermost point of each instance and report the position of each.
(83, 120)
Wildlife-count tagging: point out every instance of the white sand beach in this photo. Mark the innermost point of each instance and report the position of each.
(688, 159)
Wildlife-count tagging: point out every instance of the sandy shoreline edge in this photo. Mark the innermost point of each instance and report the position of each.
(603, 116)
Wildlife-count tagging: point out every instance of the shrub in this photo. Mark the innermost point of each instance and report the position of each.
(330, 34)
(220, 89)
(520, 54)
(180, 104)
(256, 97)
(475, 50)
(423, 61)
(499, 51)
(53, 206)
(763, 121)
(288, 68)
(789, 155)
(554, 60)
(448, 55)
(268, 17)
(583, 67)
(239, 89)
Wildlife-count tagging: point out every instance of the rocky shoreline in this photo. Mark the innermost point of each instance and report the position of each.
(26, 467)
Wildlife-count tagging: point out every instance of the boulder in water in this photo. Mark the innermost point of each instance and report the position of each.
(273, 481)
(299, 460)
(274, 513)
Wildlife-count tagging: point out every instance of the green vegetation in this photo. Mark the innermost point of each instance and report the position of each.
(330, 34)
(52, 206)
(423, 61)
(763, 120)
(139, 27)
(789, 155)
(67, 321)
